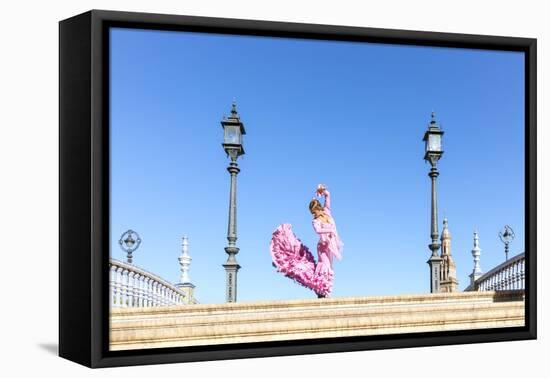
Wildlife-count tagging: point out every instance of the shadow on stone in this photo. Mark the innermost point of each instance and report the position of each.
(509, 296)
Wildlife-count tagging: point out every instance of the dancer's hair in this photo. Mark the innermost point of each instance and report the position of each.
(315, 205)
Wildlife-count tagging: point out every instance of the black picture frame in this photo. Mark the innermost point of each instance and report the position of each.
(84, 187)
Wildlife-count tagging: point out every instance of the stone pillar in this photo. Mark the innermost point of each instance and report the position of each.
(435, 273)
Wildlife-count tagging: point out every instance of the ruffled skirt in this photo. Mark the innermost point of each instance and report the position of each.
(294, 260)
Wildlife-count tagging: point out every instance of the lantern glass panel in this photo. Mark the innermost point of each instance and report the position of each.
(434, 143)
(232, 135)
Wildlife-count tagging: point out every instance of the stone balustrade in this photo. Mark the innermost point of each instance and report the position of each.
(130, 286)
(510, 275)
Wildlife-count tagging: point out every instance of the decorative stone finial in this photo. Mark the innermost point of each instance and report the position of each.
(476, 252)
(185, 260)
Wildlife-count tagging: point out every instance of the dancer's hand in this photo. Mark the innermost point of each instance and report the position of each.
(321, 189)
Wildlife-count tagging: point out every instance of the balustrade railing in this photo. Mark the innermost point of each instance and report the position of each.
(131, 286)
(510, 275)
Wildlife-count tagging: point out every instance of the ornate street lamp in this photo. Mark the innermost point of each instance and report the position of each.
(506, 236)
(129, 242)
(233, 146)
(433, 152)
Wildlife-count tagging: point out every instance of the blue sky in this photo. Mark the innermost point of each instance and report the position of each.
(350, 115)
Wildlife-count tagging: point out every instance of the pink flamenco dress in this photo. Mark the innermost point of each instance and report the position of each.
(294, 260)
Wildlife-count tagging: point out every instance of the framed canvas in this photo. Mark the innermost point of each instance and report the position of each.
(236, 188)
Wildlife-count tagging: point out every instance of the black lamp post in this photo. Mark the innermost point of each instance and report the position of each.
(433, 152)
(129, 242)
(233, 147)
(507, 235)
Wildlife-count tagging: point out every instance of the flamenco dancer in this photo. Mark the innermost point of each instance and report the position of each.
(294, 260)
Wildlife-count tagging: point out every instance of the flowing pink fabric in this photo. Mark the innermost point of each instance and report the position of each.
(294, 260)
(291, 257)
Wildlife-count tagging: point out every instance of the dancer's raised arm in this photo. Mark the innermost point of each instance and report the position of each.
(326, 206)
(322, 191)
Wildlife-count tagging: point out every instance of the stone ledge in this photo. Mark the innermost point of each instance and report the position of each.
(486, 296)
(135, 328)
